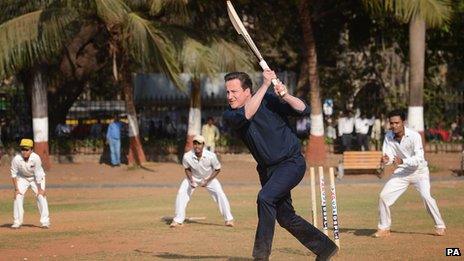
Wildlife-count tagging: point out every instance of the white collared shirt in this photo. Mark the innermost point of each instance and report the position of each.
(201, 167)
(361, 125)
(32, 168)
(345, 125)
(410, 150)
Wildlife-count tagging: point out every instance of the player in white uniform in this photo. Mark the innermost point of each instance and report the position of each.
(403, 147)
(27, 171)
(201, 168)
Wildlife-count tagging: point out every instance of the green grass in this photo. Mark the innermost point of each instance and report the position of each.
(131, 222)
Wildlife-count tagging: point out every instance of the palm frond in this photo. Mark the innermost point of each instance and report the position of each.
(112, 12)
(174, 6)
(14, 8)
(26, 39)
(197, 58)
(434, 12)
(232, 57)
(149, 47)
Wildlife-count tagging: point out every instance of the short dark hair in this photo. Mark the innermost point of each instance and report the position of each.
(397, 112)
(244, 79)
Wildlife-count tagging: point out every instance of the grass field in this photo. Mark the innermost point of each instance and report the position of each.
(123, 221)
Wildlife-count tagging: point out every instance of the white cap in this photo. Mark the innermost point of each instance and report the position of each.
(199, 138)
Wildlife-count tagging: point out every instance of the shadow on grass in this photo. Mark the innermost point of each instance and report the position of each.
(23, 225)
(368, 232)
(167, 255)
(167, 220)
(292, 251)
(457, 172)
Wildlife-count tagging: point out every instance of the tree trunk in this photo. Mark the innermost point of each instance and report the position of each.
(416, 75)
(63, 100)
(40, 117)
(315, 150)
(136, 153)
(302, 86)
(194, 123)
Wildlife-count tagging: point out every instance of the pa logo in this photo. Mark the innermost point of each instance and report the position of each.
(452, 251)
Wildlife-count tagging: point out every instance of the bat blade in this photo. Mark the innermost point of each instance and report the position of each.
(241, 30)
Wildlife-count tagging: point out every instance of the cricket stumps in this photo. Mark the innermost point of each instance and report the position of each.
(333, 202)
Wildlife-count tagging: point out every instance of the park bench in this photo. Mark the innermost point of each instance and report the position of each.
(360, 162)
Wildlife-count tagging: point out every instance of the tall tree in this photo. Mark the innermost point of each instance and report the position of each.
(33, 32)
(315, 150)
(419, 14)
(30, 34)
(206, 59)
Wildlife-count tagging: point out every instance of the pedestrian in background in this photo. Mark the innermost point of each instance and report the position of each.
(113, 138)
(211, 134)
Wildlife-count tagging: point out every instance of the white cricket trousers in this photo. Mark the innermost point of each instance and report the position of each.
(42, 204)
(397, 185)
(215, 190)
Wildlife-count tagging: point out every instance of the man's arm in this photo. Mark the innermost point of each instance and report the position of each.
(217, 134)
(251, 107)
(418, 157)
(188, 173)
(387, 153)
(39, 175)
(14, 174)
(208, 179)
(339, 127)
(294, 102)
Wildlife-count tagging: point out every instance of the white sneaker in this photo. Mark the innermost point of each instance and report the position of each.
(15, 226)
(45, 226)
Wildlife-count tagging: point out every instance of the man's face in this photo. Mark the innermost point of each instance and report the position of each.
(236, 96)
(198, 147)
(26, 152)
(396, 124)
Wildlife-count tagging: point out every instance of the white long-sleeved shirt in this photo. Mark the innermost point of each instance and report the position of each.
(32, 168)
(361, 125)
(409, 149)
(345, 125)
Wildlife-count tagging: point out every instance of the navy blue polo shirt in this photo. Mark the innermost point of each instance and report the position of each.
(267, 134)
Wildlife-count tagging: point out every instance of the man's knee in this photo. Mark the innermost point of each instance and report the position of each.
(426, 196)
(284, 221)
(384, 198)
(265, 198)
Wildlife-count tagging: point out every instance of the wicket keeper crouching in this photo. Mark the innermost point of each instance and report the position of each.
(261, 122)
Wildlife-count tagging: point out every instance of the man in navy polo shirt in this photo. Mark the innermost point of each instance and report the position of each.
(261, 122)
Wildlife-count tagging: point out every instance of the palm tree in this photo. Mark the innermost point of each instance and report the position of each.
(419, 14)
(29, 35)
(196, 60)
(315, 149)
(199, 59)
(34, 32)
(137, 44)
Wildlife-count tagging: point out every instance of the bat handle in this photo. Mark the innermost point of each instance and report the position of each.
(264, 66)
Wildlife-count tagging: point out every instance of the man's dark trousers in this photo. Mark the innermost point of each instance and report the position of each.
(275, 202)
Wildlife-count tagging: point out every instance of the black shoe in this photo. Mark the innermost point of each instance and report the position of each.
(327, 254)
(261, 258)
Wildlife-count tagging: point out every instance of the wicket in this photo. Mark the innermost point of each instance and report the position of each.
(333, 196)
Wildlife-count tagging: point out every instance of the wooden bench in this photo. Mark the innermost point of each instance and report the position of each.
(367, 162)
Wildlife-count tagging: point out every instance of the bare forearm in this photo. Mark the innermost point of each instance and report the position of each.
(188, 173)
(253, 104)
(294, 102)
(213, 176)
